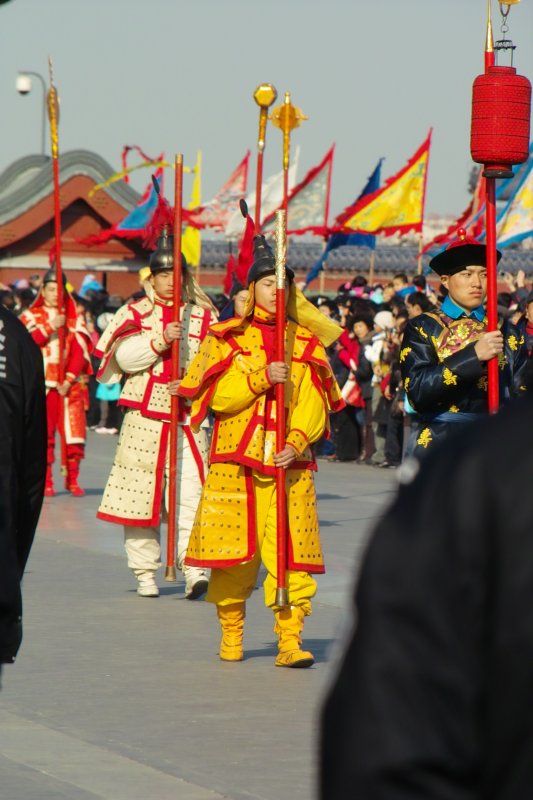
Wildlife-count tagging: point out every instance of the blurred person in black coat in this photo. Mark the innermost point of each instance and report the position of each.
(434, 697)
(22, 469)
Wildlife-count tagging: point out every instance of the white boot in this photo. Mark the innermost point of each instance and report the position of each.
(146, 585)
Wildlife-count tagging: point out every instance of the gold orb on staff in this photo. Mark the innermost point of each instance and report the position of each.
(265, 95)
(287, 117)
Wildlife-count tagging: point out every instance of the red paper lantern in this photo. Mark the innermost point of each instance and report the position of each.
(501, 110)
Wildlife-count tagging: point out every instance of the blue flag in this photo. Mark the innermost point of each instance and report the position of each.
(356, 239)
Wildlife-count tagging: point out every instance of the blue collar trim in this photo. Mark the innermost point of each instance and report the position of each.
(456, 312)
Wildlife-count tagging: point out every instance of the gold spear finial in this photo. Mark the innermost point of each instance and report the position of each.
(287, 117)
(489, 42)
(53, 109)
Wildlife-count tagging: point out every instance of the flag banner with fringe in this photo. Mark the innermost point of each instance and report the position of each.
(353, 239)
(216, 214)
(471, 220)
(271, 198)
(515, 223)
(135, 223)
(308, 203)
(398, 207)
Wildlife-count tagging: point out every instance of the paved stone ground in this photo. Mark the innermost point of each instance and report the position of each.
(114, 696)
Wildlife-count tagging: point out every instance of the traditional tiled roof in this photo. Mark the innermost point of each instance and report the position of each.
(30, 179)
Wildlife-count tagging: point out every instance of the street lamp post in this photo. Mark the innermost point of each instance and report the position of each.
(23, 85)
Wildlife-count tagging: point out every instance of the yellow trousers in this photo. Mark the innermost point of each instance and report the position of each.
(235, 584)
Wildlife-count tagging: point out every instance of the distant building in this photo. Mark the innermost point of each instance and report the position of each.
(27, 231)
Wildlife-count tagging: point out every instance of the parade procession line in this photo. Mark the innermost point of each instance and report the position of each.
(115, 696)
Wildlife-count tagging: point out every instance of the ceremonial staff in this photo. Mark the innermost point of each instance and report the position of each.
(53, 115)
(170, 572)
(287, 117)
(280, 233)
(264, 96)
(501, 105)
(490, 224)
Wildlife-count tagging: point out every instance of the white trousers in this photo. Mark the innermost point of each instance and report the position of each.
(143, 544)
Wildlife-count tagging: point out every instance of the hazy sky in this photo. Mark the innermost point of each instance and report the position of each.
(170, 75)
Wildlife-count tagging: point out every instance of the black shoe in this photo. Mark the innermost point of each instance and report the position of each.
(198, 589)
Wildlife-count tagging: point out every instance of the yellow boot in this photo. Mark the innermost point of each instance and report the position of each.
(231, 618)
(289, 626)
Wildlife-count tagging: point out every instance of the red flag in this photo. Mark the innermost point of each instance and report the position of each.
(124, 157)
(238, 270)
(231, 268)
(134, 224)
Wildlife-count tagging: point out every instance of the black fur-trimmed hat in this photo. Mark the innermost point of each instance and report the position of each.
(463, 252)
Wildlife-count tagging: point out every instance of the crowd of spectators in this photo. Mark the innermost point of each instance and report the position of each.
(371, 429)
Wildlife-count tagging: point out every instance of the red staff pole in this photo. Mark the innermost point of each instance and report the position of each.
(170, 572)
(490, 225)
(258, 186)
(282, 598)
(492, 292)
(53, 115)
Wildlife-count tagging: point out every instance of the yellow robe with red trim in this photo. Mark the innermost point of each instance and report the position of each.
(229, 376)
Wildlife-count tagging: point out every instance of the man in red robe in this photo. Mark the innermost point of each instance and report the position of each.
(65, 402)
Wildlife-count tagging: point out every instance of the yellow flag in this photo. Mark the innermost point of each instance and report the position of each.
(190, 241)
(398, 206)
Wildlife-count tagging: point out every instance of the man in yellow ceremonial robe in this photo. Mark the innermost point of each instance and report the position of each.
(234, 375)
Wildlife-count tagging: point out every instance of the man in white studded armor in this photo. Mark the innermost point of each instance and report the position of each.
(136, 347)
